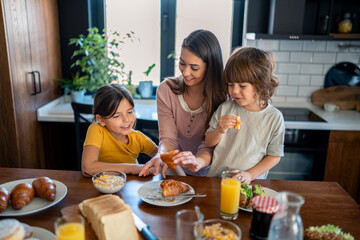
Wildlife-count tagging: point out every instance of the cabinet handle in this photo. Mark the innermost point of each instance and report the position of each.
(34, 81)
(38, 73)
(34, 73)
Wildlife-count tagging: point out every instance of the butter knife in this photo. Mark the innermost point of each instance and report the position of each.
(143, 228)
(179, 195)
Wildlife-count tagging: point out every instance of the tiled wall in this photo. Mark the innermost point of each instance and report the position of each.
(301, 66)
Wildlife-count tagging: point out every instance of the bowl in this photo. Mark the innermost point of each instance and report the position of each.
(217, 229)
(115, 181)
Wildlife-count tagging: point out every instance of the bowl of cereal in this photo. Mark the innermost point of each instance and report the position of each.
(218, 229)
(109, 181)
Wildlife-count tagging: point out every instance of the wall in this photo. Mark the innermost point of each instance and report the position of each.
(301, 66)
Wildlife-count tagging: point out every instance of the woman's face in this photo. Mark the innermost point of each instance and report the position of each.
(245, 95)
(192, 68)
(122, 122)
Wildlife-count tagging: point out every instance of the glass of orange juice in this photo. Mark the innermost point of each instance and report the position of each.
(70, 227)
(230, 195)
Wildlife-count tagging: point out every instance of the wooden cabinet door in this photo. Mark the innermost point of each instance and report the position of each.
(343, 161)
(44, 40)
(30, 47)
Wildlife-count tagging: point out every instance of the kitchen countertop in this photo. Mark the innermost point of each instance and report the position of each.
(59, 110)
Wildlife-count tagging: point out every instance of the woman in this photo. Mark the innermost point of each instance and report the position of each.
(186, 103)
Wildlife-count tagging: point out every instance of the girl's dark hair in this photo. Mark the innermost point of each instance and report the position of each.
(255, 66)
(205, 45)
(107, 99)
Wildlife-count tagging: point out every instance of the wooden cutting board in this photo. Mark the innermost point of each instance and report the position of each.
(344, 96)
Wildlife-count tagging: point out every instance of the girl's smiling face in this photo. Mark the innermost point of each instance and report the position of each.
(121, 123)
(245, 95)
(192, 68)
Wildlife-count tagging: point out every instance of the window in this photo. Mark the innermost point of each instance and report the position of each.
(153, 20)
(124, 16)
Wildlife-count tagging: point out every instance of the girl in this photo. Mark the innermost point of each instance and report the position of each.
(186, 103)
(258, 145)
(112, 143)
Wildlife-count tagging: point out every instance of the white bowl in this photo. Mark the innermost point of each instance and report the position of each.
(212, 223)
(115, 181)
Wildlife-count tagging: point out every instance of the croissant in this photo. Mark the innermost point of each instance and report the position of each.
(167, 158)
(21, 195)
(4, 198)
(172, 187)
(238, 122)
(45, 188)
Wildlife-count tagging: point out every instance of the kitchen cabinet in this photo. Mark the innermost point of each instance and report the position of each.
(300, 19)
(29, 61)
(343, 161)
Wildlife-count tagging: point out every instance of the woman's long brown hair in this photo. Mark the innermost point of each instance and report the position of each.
(205, 45)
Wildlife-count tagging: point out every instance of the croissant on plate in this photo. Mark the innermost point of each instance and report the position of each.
(45, 188)
(4, 198)
(172, 187)
(21, 195)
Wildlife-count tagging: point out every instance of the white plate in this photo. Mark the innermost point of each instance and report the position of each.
(152, 189)
(43, 234)
(36, 204)
(268, 192)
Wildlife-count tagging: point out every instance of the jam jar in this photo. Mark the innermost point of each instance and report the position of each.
(264, 208)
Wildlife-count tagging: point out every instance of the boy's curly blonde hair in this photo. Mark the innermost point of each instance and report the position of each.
(255, 66)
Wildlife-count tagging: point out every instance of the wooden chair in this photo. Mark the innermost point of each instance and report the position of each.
(81, 125)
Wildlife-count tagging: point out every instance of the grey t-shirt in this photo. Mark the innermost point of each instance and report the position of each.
(261, 134)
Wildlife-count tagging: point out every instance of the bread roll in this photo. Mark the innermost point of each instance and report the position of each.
(11, 229)
(21, 195)
(4, 198)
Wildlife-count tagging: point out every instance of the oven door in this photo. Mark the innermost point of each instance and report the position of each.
(304, 156)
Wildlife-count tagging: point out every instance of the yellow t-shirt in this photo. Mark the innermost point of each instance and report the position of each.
(114, 151)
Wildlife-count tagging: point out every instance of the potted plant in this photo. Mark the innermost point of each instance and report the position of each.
(145, 87)
(77, 86)
(97, 57)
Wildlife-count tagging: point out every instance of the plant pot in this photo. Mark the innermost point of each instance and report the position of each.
(77, 96)
(146, 89)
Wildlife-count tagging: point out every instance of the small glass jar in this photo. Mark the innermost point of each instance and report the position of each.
(264, 208)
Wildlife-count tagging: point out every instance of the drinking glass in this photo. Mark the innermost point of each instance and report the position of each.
(70, 227)
(185, 223)
(230, 195)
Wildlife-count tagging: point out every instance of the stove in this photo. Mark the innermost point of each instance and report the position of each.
(299, 114)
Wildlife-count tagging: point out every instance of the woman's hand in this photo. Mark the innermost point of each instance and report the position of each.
(187, 160)
(226, 122)
(154, 163)
(245, 176)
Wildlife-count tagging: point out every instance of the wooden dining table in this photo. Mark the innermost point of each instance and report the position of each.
(325, 202)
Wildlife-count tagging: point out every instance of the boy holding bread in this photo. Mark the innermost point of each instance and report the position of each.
(255, 146)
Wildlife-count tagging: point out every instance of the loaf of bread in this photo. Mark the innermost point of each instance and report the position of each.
(11, 229)
(21, 195)
(110, 217)
(45, 188)
(4, 198)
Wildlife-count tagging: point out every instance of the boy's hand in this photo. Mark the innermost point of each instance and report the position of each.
(245, 176)
(226, 122)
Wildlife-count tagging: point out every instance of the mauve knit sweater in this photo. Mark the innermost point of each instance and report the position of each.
(179, 126)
